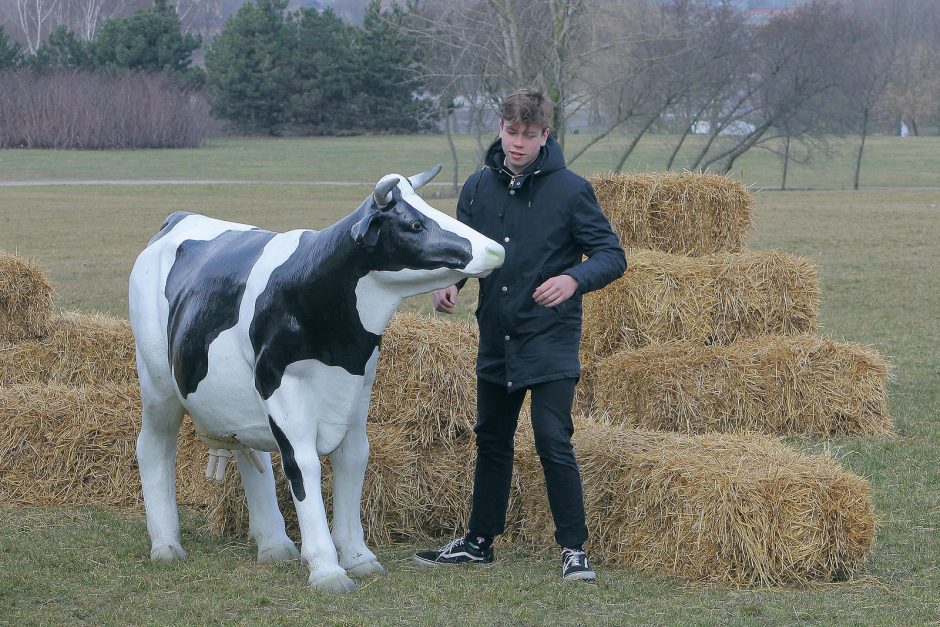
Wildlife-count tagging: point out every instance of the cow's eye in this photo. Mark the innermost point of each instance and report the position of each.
(416, 226)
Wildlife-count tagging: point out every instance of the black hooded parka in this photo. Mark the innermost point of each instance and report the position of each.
(548, 219)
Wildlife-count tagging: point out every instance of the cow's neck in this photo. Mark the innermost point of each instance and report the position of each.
(330, 263)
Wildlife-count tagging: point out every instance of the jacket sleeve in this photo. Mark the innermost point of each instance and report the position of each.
(606, 261)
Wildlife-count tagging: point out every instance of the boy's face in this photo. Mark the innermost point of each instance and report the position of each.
(521, 143)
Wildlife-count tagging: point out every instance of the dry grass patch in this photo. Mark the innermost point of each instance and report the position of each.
(677, 212)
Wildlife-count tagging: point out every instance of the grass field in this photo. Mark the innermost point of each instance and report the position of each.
(889, 161)
(879, 263)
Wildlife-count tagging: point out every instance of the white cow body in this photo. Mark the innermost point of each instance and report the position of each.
(274, 377)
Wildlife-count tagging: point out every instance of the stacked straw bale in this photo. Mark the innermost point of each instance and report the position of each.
(425, 378)
(714, 299)
(799, 384)
(77, 349)
(26, 298)
(731, 509)
(67, 445)
(676, 212)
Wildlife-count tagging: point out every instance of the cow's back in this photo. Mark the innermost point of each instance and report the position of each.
(169, 261)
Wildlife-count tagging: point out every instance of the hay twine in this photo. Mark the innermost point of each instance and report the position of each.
(26, 298)
(677, 212)
(799, 384)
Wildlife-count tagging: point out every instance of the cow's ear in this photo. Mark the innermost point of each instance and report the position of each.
(365, 232)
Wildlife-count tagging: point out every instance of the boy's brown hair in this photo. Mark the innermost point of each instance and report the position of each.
(528, 105)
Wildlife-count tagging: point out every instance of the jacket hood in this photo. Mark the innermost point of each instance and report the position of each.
(550, 159)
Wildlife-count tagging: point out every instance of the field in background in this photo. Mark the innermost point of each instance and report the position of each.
(879, 264)
(889, 161)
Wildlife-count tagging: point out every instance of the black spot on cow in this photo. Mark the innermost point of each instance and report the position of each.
(204, 289)
(291, 469)
(308, 311)
(168, 224)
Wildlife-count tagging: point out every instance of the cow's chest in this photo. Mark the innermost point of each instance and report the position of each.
(315, 401)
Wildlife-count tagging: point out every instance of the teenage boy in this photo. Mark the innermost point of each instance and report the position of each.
(529, 315)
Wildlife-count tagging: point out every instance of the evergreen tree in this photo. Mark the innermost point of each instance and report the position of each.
(62, 50)
(326, 73)
(249, 66)
(150, 40)
(388, 87)
(9, 50)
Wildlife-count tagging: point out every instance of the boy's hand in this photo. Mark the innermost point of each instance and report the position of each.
(556, 290)
(446, 299)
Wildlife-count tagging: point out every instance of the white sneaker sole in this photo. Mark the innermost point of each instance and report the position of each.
(420, 561)
(587, 575)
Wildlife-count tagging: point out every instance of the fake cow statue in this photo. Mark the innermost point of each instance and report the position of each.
(270, 341)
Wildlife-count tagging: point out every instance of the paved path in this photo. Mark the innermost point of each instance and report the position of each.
(131, 182)
(66, 182)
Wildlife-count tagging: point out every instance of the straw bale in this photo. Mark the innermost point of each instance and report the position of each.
(735, 509)
(714, 299)
(75, 445)
(798, 384)
(426, 378)
(389, 494)
(728, 508)
(26, 298)
(677, 212)
(78, 349)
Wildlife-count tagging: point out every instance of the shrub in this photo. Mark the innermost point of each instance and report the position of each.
(87, 111)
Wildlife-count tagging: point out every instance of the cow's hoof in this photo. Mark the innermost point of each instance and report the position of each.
(338, 584)
(278, 553)
(167, 553)
(365, 569)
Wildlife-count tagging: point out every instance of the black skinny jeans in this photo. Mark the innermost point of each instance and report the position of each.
(497, 417)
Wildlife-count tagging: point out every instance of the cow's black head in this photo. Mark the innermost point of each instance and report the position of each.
(397, 235)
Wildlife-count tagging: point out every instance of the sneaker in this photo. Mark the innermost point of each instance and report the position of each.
(457, 552)
(575, 567)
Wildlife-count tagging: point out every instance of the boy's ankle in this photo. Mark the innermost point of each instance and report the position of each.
(479, 541)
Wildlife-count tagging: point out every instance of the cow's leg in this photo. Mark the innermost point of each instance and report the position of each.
(265, 522)
(156, 457)
(302, 467)
(349, 468)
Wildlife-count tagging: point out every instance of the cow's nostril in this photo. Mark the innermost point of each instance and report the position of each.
(495, 255)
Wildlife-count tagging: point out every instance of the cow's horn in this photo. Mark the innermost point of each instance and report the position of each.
(382, 189)
(419, 180)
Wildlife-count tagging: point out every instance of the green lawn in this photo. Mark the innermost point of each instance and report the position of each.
(879, 263)
(889, 161)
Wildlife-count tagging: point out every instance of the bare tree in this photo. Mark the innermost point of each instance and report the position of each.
(865, 74)
(34, 19)
(198, 15)
(499, 45)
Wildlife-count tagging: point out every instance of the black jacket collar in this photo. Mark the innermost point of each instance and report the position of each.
(549, 160)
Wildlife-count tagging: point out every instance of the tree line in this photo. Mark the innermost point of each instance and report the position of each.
(705, 75)
(269, 71)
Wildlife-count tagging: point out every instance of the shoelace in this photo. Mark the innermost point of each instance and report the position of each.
(451, 546)
(573, 558)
